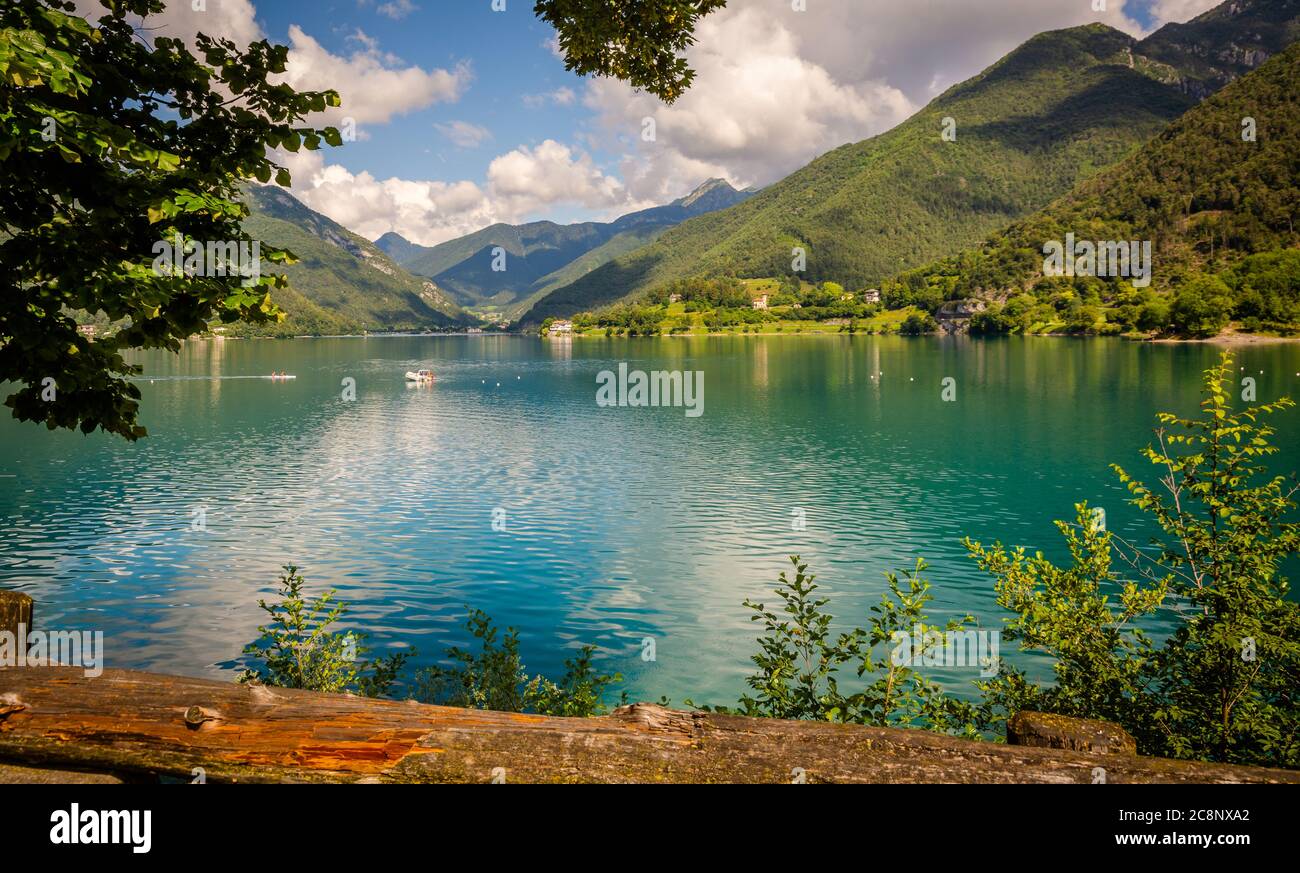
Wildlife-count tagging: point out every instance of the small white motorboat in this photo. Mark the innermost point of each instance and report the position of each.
(419, 375)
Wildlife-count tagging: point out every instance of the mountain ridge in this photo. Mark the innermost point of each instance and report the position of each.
(1205, 194)
(1056, 110)
(342, 283)
(537, 251)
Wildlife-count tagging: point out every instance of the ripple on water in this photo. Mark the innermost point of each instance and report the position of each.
(619, 525)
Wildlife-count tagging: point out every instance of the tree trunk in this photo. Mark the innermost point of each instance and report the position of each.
(139, 725)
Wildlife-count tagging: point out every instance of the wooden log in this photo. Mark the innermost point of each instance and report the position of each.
(139, 724)
(15, 609)
(11, 775)
(1061, 732)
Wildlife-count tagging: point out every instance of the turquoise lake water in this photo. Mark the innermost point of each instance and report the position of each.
(620, 524)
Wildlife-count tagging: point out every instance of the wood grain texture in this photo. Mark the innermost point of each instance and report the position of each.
(140, 724)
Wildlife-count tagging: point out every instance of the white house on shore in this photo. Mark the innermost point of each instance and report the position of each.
(560, 327)
(760, 302)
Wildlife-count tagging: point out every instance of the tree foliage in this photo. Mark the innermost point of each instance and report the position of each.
(1206, 195)
(639, 42)
(1222, 685)
(111, 141)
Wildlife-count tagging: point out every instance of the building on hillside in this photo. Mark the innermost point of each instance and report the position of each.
(760, 302)
(86, 330)
(560, 327)
(872, 296)
(674, 298)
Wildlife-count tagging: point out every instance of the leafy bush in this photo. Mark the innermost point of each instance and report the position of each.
(1073, 615)
(918, 323)
(1222, 686)
(1225, 681)
(495, 678)
(799, 659)
(297, 649)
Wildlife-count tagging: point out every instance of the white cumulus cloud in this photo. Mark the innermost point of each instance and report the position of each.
(464, 134)
(776, 87)
(1165, 11)
(372, 85)
(520, 184)
(526, 180)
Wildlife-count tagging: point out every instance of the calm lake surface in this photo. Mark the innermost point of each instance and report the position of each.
(620, 524)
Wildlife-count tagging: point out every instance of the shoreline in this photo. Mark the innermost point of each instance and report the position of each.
(1231, 339)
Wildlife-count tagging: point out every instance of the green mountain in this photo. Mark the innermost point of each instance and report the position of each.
(341, 283)
(1218, 206)
(543, 255)
(1218, 46)
(1055, 111)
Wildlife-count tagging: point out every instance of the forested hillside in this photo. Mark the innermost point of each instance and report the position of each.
(1208, 193)
(341, 283)
(1054, 112)
(542, 255)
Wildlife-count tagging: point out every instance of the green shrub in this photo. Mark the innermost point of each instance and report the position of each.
(495, 678)
(298, 650)
(799, 660)
(918, 323)
(1082, 616)
(1222, 686)
(1225, 681)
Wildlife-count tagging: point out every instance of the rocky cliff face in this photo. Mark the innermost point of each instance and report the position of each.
(1203, 55)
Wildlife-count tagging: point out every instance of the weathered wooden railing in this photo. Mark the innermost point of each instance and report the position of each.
(56, 722)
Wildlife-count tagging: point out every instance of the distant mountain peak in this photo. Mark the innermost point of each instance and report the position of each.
(709, 186)
(1048, 115)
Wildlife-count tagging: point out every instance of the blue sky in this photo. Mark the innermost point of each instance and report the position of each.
(466, 116)
(508, 56)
